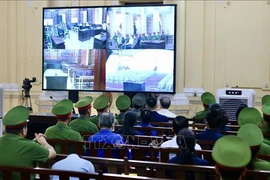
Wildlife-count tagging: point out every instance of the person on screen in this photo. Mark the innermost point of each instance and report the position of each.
(151, 103)
(100, 104)
(134, 28)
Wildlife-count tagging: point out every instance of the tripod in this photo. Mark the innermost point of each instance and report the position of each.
(26, 100)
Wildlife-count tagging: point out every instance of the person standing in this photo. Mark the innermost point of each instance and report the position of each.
(15, 149)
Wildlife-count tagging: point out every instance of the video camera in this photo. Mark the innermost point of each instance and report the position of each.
(27, 84)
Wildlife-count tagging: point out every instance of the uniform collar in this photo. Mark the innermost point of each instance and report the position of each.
(14, 136)
(62, 126)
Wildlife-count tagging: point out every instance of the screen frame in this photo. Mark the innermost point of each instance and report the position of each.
(116, 91)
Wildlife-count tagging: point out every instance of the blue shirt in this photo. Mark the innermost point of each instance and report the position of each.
(153, 132)
(108, 137)
(129, 136)
(222, 129)
(179, 158)
(156, 117)
(209, 134)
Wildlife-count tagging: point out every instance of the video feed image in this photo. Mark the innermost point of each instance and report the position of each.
(141, 70)
(75, 28)
(148, 27)
(74, 69)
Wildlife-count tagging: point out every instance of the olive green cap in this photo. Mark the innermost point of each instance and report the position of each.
(84, 102)
(16, 116)
(249, 115)
(123, 102)
(139, 99)
(231, 151)
(251, 133)
(101, 102)
(208, 98)
(266, 108)
(265, 99)
(63, 107)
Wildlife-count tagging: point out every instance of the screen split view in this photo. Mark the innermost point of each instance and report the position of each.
(109, 48)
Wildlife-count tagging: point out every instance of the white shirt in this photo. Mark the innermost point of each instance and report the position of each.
(167, 113)
(73, 163)
(172, 144)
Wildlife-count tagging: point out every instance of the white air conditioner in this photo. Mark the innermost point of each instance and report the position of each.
(230, 99)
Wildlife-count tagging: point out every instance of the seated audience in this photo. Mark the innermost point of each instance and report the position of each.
(146, 117)
(101, 104)
(265, 99)
(225, 118)
(207, 98)
(231, 155)
(73, 163)
(151, 103)
(15, 149)
(266, 122)
(128, 130)
(106, 135)
(179, 123)
(213, 122)
(83, 124)
(122, 103)
(253, 136)
(251, 115)
(165, 103)
(186, 142)
(62, 111)
(138, 102)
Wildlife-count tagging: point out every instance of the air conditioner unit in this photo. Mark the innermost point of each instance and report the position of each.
(230, 99)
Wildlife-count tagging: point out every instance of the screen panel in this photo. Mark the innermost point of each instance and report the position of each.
(115, 49)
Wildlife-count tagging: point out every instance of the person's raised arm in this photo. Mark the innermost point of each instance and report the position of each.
(40, 138)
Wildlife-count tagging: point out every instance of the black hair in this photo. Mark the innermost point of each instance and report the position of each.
(136, 106)
(214, 106)
(165, 102)
(15, 130)
(254, 152)
(240, 108)
(101, 110)
(179, 123)
(82, 112)
(130, 119)
(230, 175)
(146, 115)
(214, 118)
(225, 118)
(151, 102)
(186, 142)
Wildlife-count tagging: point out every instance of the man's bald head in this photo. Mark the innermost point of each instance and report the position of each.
(165, 102)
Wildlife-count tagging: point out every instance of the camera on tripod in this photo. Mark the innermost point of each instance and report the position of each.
(27, 85)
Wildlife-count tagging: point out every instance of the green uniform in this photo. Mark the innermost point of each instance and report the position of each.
(95, 119)
(62, 131)
(261, 164)
(137, 112)
(119, 118)
(83, 124)
(201, 114)
(18, 151)
(264, 149)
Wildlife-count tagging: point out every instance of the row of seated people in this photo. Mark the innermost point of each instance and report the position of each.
(106, 120)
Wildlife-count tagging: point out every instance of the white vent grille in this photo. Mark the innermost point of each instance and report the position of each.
(231, 106)
(230, 99)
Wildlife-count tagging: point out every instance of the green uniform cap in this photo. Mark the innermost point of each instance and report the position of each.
(16, 116)
(265, 99)
(101, 102)
(123, 102)
(249, 115)
(266, 108)
(251, 133)
(208, 98)
(84, 102)
(231, 151)
(139, 99)
(63, 107)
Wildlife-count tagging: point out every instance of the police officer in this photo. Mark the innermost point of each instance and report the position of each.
(62, 111)
(253, 136)
(265, 99)
(231, 155)
(138, 102)
(266, 122)
(251, 115)
(207, 98)
(15, 149)
(122, 103)
(83, 124)
(100, 104)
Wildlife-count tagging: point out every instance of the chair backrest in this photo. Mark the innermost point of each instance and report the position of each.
(67, 146)
(160, 130)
